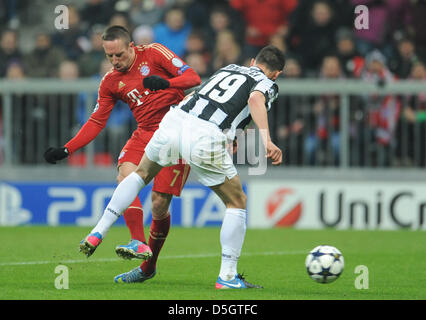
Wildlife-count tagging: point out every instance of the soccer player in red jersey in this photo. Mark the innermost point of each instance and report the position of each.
(149, 78)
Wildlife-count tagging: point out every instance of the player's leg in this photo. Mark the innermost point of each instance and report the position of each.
(233, 226)
(123, 196)
(159, 230)
(157, 235)
(158, 150)
(167, 183)
(232, 233)
(212, 163)
(133, 216)
(225, 182)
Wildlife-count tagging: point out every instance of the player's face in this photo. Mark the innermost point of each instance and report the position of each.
(273, 75)
(119, 54)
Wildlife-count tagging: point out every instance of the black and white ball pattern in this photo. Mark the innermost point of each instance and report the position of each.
(324, 264)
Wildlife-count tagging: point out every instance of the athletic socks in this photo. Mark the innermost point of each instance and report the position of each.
(133, 217)
(157, 235)
(123, 196)
(232, 236)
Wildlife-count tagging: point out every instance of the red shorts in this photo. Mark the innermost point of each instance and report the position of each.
(169, 180)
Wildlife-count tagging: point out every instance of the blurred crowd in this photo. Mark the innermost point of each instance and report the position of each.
(318, 37)
(209, 34)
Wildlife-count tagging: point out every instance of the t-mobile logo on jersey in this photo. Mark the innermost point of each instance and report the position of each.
(135, 96)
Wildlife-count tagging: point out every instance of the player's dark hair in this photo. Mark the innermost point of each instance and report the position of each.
(272, 57)
(116, 32)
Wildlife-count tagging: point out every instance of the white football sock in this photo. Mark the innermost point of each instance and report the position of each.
(232, 236)
(122, 198)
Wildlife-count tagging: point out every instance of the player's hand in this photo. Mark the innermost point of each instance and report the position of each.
(52, 155)
(155, 83)
(274, 153)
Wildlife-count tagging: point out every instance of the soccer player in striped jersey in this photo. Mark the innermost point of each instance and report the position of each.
(198, 130)
(149, 78)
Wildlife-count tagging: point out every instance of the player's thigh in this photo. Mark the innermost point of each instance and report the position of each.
(163, 148)
(132, 157)
(231, 193)
(167, 183)
(209, 158)
(214, 173)
(131, 154)
(147, 169)
(171, 180)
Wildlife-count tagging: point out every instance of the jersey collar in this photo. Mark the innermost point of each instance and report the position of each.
(257, 68)
(134, 60)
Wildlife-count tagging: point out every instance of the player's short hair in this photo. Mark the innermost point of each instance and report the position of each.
(272, 57)
(116, 32)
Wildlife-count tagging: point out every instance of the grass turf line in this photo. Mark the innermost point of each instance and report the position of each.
(189, 264)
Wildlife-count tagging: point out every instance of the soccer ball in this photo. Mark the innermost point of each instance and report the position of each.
(324, 264)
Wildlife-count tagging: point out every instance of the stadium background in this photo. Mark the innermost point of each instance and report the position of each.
(350, 118)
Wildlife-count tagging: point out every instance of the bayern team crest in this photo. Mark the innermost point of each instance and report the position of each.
(145, 70)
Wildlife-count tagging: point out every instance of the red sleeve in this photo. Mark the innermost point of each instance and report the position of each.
(97, 120)
(87, 133)
(187, 80)
(182, 76)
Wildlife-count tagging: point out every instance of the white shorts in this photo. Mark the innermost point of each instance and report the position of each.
(199, 142)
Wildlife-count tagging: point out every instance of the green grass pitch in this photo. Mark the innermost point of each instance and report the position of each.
(189, 264)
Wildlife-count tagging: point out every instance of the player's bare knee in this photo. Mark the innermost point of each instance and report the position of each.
(119, 178)
(143, 174)
(124, 170)
(160, 215)
(160, 205)
(242, 200)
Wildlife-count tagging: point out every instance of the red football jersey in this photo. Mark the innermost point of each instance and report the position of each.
(148, 106)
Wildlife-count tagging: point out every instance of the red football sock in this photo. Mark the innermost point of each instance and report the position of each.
(157, 235)
(133, 217)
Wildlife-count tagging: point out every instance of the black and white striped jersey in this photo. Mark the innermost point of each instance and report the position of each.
(223, 98)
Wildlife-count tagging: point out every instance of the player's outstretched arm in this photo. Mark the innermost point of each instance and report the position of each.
(256, 103)
(87, 133)
(90, 129)
(185, 81)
